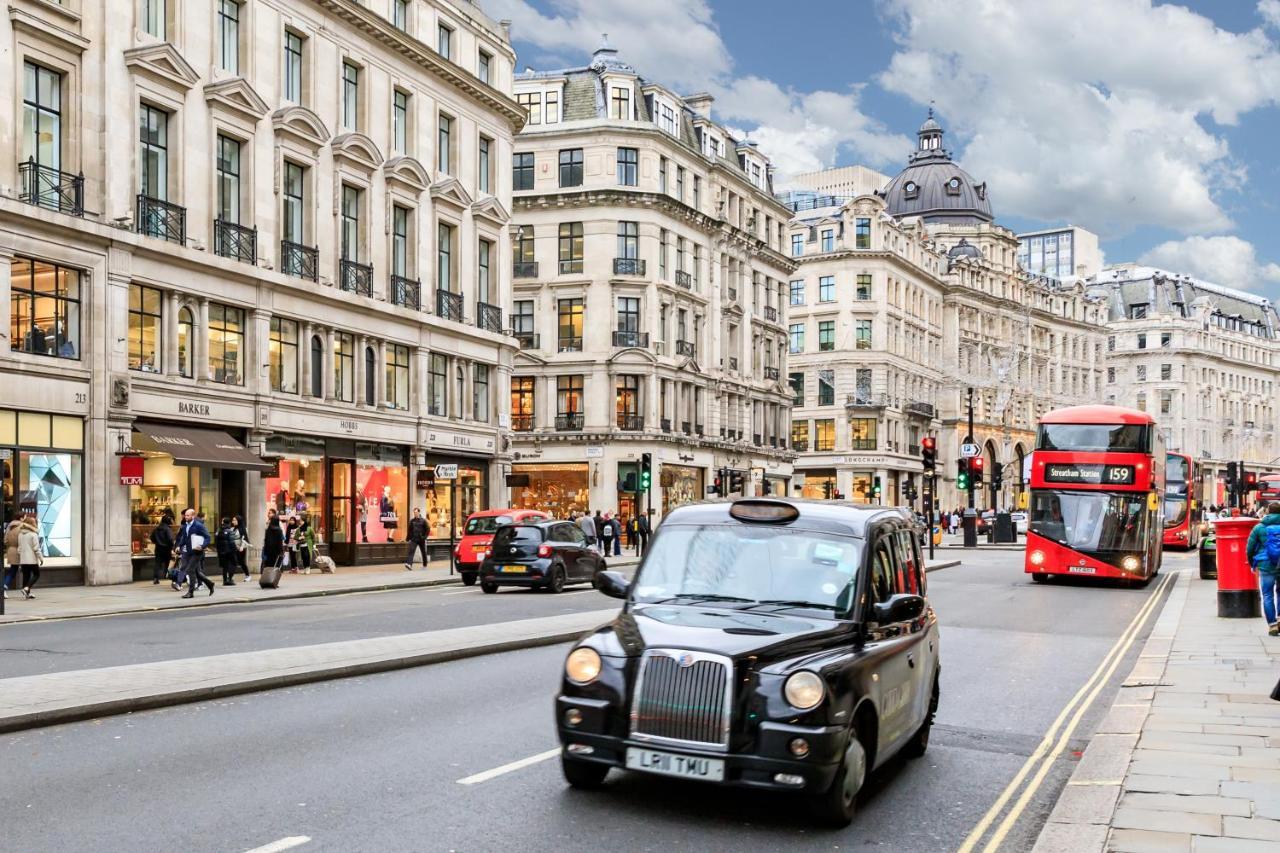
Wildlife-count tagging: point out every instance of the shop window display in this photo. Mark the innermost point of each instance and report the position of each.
(297, 490)
(470, 497)
(554, 489)
(382, 502)
(168, 488)
(680, 485)
(818, 485)
(40, 473)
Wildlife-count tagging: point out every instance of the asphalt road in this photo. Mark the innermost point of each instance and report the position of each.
(374, 763)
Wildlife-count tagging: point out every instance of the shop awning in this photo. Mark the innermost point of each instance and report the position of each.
(191, 446)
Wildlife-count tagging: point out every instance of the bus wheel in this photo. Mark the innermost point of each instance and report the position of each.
(1039, 577)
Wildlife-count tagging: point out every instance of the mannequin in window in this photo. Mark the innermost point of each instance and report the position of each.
(36, 340)
(387, 513)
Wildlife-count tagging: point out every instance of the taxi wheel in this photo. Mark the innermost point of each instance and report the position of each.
(835, 806)
(583, 774)
(919, 742)
(488, 587)
(468, 578)
(556, 584)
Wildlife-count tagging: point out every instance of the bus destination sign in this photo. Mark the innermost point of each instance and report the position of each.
(1092, 474)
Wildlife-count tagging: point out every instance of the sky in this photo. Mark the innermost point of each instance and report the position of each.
(1153, 125)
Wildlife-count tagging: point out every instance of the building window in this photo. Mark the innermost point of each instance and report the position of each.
(551, 107)
(862, 233)
(1142, 340)
(824, 435)
(228, 163)
(400, 14)
(627, 401)
(484, 165)
(282, 355)
(1166, 339)
(480, 393)
(154, 18)
(800, 436)
(571, 167)
(1166, 372)
(628, 167)
(370, 377)
(522, 171)
(797, 388)
(532, 103)
(569, 395)
(400, 121)
(1142, 402)
(444, 41)
(1138, 312)
(620, 103)
(662, 253)
(797, 245)
(1111, 343)
(484, 64)
(667, 119)
(484, 251)
(399, 241)
(444, 145)
(522, 245)
(864, 287)
(351, 204)
(826, 387)
(862, 385)
(828, 240)
(317, 366)
(862, 334)
(797, 292)
(697, 192)
(1142, 373)
(1166, 402)
(1111, 376)
(827, 288)
(629, 314)
(226, 344)
(294, 206)
(350, 96)
(522, 318)
(437, 385)
(569, 336)
(680, 182)
(229, 36)
(797, 337)
(570, 247)
(444, 257)
(522, 400)
(41, 126)
(629, 240)
(344, 367)
(186, 343)
(826, 335)
(292, 67)
(862, 433)
(44, 309)
(398, 376)
(145, 328)
(154, 152)
(662, 174)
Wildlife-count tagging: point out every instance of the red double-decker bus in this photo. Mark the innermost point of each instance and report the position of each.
(1183, 501)
(1097, 477)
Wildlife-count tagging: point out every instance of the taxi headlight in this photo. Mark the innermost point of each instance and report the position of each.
(804, 690)
(1129, 564)
(582, 666)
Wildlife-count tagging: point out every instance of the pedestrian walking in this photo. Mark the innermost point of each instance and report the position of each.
(416, 533)
(629, 528)
(272, 541)
(30, 554)
(1263, 551)
(588, 527)
(225, 546)
(11, 554)
(162, 546)
(643, 530)
(617, 536)
(191, 542)
(605, 527)
(242, 550)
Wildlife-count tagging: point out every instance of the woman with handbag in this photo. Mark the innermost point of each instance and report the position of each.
(30, 555)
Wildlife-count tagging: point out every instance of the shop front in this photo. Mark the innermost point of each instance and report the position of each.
(819, 484)
(184, 467)
(448, 502)
(556, 488)
(681, 484)
(41, 465)
(775, 485)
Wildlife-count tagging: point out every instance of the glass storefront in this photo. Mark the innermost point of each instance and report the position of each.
(382, 494)
(862, 488)
(819, 485)
(470, 495)
(554, 488)
(168, 488)
(296, 486)
(41, 461)
(681, 484)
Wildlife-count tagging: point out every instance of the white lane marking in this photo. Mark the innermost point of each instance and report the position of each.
(462, 592)
(283, 844)
(509, 768)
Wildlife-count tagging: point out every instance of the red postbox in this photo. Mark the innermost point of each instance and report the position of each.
(1237, 582)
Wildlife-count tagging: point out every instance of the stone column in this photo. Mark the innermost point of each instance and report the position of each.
(6, 269)
(169, 308)
(329, 355)
(361, 343)
(380, 377)
(200, 346)
(257, 362)
(304, 355)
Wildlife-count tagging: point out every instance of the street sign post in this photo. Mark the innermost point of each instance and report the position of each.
(447, 472)
(450, 472)
(968, 451)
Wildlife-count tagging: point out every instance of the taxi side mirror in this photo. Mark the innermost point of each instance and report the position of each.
(903, 607)
(613, 584)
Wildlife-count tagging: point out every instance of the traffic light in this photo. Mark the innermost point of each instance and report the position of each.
(717, 486)
(962, 474)
(929, 453)
(1233, 474)
(997, 477)
(1251, 481)
(646, 471)
(975, 470)
(875, 487)
(736, 483)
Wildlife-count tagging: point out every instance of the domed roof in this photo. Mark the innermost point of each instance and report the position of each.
(934, 188)
(964, 249)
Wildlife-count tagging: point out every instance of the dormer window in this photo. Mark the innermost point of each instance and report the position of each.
(667, 118)
(540, 107)
(953, 186)
(911, 190)
(619, 103)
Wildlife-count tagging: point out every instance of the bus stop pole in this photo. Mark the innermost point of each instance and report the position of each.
(453, 521)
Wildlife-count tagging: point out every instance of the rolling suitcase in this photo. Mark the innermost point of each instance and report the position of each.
(270, 576)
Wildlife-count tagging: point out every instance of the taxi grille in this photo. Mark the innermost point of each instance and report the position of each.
(682, 703)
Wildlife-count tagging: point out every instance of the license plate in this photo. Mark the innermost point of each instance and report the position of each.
(514, 569)
(1082, 570)
(480, 555)
(670, 764)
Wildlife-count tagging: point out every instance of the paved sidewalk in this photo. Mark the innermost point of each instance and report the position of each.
(67, 602)
(42, 700)
(1188, 759)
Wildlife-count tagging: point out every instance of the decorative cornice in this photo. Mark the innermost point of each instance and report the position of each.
(301, 124)
(238, 97)
(356, 149)
(488, 207)
(162, 63)
(450, 191)
(24, 21)
(408, 172)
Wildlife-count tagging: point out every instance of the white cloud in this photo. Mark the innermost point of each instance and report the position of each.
(1092, 112)
(1228, 261)
(1270, 12)
(675, 42)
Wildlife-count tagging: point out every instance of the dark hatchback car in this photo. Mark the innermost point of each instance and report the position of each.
(769, 643)
(546, 555)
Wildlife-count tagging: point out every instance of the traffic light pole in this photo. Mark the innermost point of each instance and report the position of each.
(970, 522)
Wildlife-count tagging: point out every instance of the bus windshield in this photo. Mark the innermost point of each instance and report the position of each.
(1091, 521)
(1176, 469)
(1175, 511)
(1131, 438)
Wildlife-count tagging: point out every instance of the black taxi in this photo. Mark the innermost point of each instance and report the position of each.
(771, 643)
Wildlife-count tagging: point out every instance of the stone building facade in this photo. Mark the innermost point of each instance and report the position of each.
(254, 255)
(649, 278)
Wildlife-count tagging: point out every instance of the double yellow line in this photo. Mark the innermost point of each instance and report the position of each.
(1053, 744)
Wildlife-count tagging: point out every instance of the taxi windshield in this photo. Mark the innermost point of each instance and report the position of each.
(486, 524)
(750, 566)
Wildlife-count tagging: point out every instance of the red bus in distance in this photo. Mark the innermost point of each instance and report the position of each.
(1097, 479)
(1183, 501)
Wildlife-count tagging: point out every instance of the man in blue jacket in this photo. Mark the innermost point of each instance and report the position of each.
(193, 539)
(1263, 551)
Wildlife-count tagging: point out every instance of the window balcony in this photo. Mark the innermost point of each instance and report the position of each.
(489, 317)
(919, 409)
(686, 348)
(355, 277)
(771, 313)
(50, 188)
(800, 446)
(449, 305)
(571, 422)
(666, 424)
(686, 427)
(683, 279)
(866, 401)
(298, 260)
(628, 266)
(699, 430)
(631, 339)
(771, 373)
(524, 269)
(630, 422)
(529, 340)
(862, 444)
(157, 218)
(570, 344)
(237, 242)
(406, 292)
(522, 423)
(570, 267)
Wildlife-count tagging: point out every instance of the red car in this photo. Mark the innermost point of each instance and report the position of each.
(470, 552)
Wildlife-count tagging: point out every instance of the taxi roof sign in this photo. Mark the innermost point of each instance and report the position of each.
(759, 511)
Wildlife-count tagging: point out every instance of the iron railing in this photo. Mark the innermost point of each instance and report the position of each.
(522, 423)
(488, 317)
(628, 266)
(524, 269)
(448, 305)
(631, 339)
(529, 340)
(406, 292)
(158, 218)
(571, 421)
(355, 277)
(866, 401)
(683, 279)
(632, 423)
(800, 446)
(771, 373)
(45, 186)
(862, 444)
(916, 407)
(238, 242)
(686, 348)
(771, 313)
(299, 260)
(567, 267)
